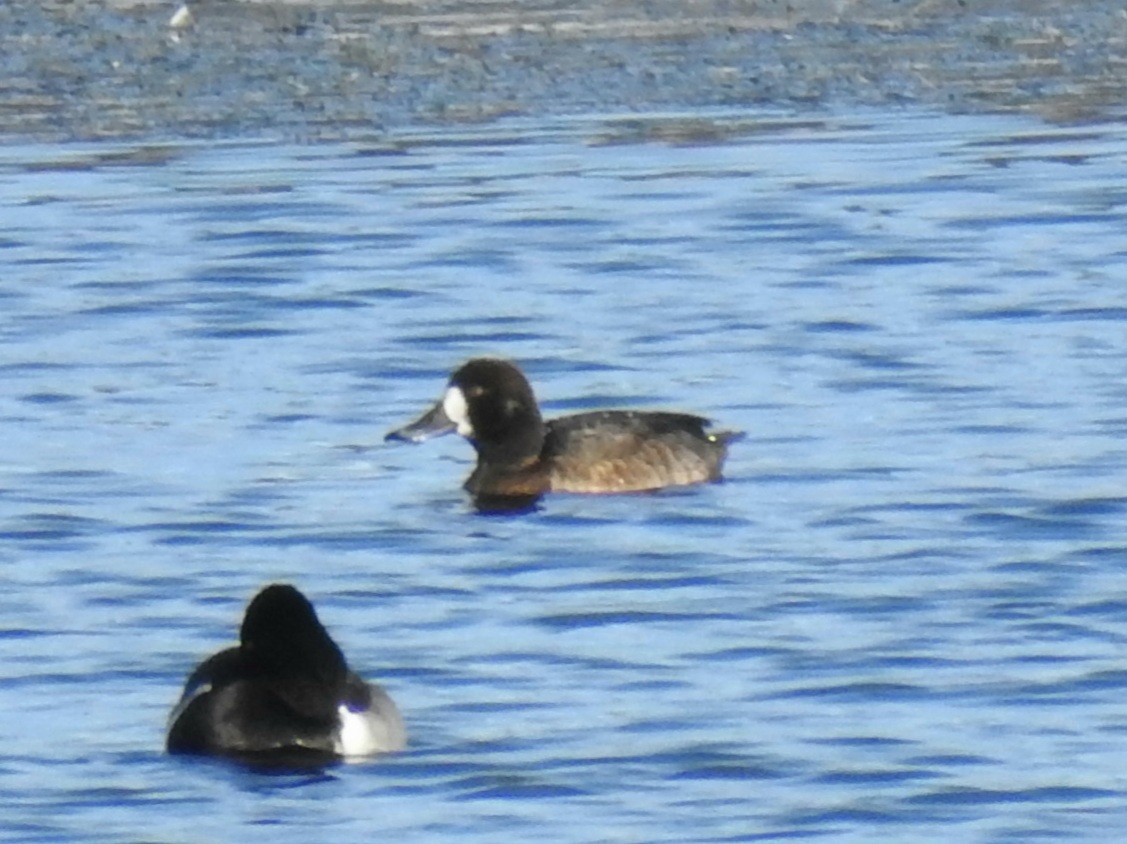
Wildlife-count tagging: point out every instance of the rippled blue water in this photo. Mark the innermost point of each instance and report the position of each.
(903, 615)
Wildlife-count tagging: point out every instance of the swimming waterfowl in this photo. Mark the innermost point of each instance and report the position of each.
(286, 690)
(519, 455)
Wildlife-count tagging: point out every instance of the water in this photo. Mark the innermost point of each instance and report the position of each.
(902, 615)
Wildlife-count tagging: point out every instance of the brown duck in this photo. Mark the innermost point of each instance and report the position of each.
(519, 455)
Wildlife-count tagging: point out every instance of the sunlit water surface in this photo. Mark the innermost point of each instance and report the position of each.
(903, 615)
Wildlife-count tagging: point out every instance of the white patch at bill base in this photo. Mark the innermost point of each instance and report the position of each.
(457, 410)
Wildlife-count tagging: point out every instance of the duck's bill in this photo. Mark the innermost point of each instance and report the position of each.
(433, 423)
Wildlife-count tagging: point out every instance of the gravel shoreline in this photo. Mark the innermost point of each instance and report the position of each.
(311, 70)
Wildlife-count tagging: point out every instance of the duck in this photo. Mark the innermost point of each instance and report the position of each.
(490, 402)
(284, 691)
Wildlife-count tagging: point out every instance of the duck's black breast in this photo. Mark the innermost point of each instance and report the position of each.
(628, 451)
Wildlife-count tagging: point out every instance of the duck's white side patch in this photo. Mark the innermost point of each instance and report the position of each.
(457, 411)
(361, 733)
(355, 737)
(377, 729)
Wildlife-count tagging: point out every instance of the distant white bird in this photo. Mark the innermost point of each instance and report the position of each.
(182, 18)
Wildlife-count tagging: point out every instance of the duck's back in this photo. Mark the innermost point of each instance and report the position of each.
(242, 715)
(632, 451)
(226, 710)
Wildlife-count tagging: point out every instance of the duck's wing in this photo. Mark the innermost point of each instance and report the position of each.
(625, 451)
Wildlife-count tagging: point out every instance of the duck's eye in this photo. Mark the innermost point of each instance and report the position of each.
(476, 391)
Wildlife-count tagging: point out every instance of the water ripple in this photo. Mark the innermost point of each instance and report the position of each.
(899, 616)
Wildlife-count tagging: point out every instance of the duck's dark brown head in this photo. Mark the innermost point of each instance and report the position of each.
(490, 403)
